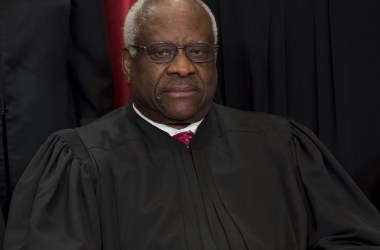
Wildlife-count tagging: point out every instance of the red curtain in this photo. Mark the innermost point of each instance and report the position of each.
(116, 11)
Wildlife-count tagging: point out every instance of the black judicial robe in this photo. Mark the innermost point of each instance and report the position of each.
(252, 181)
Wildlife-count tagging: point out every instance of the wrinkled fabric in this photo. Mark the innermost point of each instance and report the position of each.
(252, 181)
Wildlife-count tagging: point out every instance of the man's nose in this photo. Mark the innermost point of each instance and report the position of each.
(181, 65)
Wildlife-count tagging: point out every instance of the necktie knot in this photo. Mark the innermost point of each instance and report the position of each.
(184, 137)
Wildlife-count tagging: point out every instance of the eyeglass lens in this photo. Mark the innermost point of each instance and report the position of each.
(165, 52)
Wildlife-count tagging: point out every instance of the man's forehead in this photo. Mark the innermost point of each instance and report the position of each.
(175, 17)
(181, 28)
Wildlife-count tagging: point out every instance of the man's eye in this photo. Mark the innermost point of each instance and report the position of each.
(197, 52)
(161, 53)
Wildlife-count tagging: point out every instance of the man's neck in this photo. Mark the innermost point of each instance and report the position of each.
(172, 128)
(178, 125)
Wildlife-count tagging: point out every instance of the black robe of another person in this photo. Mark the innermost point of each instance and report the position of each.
(55, 73)
(251, 181)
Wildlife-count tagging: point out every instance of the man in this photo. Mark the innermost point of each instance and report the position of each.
(246, 180)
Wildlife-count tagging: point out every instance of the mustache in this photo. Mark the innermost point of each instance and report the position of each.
(172, 81)
(179, 83)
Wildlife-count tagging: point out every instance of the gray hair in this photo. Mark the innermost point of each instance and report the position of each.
(131, 27)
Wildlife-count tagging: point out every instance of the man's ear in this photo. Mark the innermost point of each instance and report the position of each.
(127, 63)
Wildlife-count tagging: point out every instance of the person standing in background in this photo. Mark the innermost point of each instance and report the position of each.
(54, 73)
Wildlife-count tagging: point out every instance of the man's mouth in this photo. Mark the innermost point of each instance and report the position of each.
(180, 93)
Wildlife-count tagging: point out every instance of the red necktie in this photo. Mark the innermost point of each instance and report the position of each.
(184, 137)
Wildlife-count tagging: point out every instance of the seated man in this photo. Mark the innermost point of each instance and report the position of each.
(244, 181)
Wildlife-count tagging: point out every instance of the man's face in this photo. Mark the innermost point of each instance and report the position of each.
(178, 92)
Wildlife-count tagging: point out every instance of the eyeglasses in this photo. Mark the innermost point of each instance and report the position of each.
(164, 52)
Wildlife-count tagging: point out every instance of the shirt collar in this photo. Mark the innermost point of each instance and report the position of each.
(170, 130)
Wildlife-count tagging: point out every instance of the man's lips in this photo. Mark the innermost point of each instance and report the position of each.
(179, 93)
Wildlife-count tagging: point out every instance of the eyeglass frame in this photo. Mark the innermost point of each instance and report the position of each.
(144, 48)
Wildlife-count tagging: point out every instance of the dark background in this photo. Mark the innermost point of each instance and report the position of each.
(316, 61)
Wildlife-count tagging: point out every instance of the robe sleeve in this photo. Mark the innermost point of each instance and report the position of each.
(54, 205)
(339, 215)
